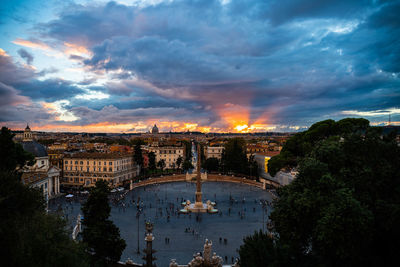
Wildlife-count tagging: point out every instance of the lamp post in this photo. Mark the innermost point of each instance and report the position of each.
(139, 210)
(263, 208)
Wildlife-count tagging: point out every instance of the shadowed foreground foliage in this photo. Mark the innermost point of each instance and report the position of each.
(30, 236)
(343, 209)
(100, 234)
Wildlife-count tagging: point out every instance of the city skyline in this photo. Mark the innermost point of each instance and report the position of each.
(208, 66)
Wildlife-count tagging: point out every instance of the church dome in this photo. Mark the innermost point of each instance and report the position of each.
(155, 129)
(35, 148)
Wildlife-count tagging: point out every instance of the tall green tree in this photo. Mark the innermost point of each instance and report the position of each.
(234, 156)
(30, 236)
(343, 209)
(99, 233)
(12, 155)
(152, 161)
(211, 164)
(188, 149)
(138, 155)
(301, 144)
(179, 162)
(161, 164)
(187, 165)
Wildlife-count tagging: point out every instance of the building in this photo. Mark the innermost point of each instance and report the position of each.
(169, 154)
(58, 146)
(283, 178)
(213, 152)
(41, 174)
(154, 130)
(84, 169)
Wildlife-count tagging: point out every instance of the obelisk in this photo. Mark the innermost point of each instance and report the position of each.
(199, 202)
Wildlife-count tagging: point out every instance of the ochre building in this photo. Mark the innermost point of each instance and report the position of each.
(84, 169)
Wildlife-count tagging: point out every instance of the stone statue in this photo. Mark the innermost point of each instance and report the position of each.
(216, 261)
(207, 252)
(197, 261)
(173, 263)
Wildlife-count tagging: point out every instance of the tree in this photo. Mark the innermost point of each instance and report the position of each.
(30, 236)
(161, 164)
(253, 167)
(343, 209)
(301, 144)
(179, 162)
(260, 249)
(138, 156)
(187, 165)
(152, 161)
(234, 156)
(211, 164)
(188, 149)
(12, 155)
(99, 233)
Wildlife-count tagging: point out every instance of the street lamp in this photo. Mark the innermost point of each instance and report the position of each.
(264, 205)
(139, 210)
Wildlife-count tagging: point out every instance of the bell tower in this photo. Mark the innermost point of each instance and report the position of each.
(27, 134)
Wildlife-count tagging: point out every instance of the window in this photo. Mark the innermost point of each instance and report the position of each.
(99, 163)
(45, 185)
(81, 168)
(99, 169)
(81, 162)
(110, 169)
(66, 162)
(87, 169)
(71, 180)
(110, 163)
(76, 168)
(81, 180)
(76, 162)
(104, 169)
(105, 163)
(94, 162)
(87, 162)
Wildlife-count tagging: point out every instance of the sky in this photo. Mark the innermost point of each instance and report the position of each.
(197, 65)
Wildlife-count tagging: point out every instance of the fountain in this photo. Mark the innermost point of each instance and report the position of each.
(198, 206)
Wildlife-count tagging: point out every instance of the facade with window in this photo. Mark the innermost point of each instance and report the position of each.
(85, 169)
(169, 154)
(213, 152)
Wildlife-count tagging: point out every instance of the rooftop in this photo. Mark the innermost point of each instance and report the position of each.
(97, 155)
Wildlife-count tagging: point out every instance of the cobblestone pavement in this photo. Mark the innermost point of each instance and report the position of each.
(178, 236)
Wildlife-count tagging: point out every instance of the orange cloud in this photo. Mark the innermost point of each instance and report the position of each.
(74, 49)
(32, 44)
(3, 53)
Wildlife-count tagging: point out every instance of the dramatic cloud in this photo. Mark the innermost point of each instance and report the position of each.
(25, 55)
(241, 65)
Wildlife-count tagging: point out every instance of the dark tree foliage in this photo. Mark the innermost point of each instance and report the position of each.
(12, 155)
(252, 167)
(99, 233)
(30, 236)
(152, 161)
(301, 144)
(234, 156)
(260, 249)
(188, 149)
(179, 161)
(187, 165)
(211, 164)
(138, 156)
(343, 209)
(161, 164)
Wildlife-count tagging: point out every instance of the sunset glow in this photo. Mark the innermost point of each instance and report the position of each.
(124, 66)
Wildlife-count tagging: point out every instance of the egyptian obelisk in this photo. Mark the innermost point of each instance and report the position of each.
(199, 202)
